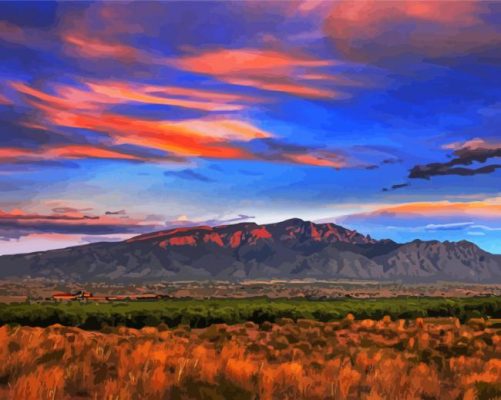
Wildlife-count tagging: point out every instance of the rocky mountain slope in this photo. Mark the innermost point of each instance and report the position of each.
(290, 249)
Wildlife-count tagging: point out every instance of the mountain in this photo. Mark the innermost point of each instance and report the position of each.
(291, 249)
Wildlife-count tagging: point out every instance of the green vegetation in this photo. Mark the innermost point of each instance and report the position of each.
(202, 313)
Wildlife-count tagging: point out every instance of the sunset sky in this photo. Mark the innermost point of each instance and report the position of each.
(124, 118)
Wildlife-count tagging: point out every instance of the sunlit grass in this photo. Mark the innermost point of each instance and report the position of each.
(307, 359)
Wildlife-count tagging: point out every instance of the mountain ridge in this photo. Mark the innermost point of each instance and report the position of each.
(289, 249)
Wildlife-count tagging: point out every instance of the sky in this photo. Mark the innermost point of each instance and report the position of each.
(122, 118)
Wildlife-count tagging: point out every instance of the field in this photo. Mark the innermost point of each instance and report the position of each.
(428, 359)
(253, 348)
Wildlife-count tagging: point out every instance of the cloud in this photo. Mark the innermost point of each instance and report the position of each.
(122, 92)
(129, 138)
(18, 223)
(391, 161)
(119, 212)
(476, 150)
(276, 150)
(188, 174)
(209, 138)
(80, 46)
(184, 221)
(266, 69)
(385, 32)
(431, 212)
(49, 153)
(448, 227)
(101, 238)
(441, 220)
(26, 37)
(434, 169)
(396, 187)
(399, 186)
(68, 210)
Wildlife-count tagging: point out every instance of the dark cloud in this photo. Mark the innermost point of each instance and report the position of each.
(434, 169)
(465, 155)
(188, 174)
(119, 212)
(16, 225)
(391, 161)
(36, 217)
(14, 229)
(67, 210)
(370, 167)
(399, 186)
(396, 186)
(275, 150)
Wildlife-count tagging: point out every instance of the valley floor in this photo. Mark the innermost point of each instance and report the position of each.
(21, 290)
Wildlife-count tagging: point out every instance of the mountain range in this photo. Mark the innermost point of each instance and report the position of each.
(292, 249)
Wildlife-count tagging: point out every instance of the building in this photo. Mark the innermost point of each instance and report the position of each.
(80, 295)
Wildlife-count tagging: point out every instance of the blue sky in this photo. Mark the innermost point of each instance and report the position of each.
(120, 118)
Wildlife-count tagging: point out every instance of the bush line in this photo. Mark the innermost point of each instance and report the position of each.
(203, 313)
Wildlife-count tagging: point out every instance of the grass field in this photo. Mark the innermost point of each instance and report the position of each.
(421, 359)
(202, 313)
(253, 349)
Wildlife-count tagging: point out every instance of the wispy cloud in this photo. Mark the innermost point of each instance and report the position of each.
(188, 174)
(264, 69)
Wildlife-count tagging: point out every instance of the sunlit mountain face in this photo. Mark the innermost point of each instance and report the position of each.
(121, 119)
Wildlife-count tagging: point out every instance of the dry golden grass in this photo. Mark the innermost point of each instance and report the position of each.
(349, 359)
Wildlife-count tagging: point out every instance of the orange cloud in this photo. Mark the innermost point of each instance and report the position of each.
(285, 87)
(98, 95)
(44, 97)
(11, 33)
(12, 153)
(486, 208)
(66, 152)
(219, 137)
(473, 144)
(198, 94)
(459, 13)
(268, 70)
(227, 62)
(202, 138)
(124, 93)
(95, 48)
(4, 100)
(179, 138)
(315, 160)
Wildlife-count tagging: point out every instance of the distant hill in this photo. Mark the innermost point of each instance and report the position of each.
(291, 249)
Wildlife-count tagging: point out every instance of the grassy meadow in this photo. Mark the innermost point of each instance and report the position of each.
(253, 349)
(438, 358)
